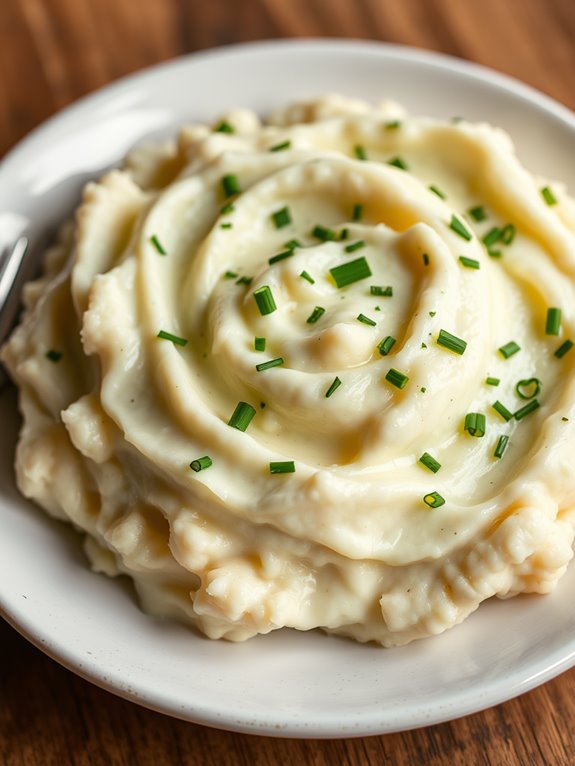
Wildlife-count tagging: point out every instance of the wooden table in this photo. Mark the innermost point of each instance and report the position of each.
(52, 52)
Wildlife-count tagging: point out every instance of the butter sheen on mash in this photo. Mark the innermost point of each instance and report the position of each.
(254, 465)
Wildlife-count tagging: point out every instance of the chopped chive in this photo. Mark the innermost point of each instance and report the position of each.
(501, 445)
(564, 348)
(244, 281)
(492, 381)
(386, 345)
(494, 253)
(384, 292)
(280, 147)
(424, 345)
(425, 259)
(226, 225)
(432, 313)
(528, 388)
(396, 378)
(502, 410)
(359, 152)
(227, 208)
(268, 365)
(323, 233)
(281, 217)
(344, 234)
(336, 383)
(469, 263)
(230, 275)
(230, 185)
(351, 272)
(353, 246)
(398, 162)
(509, 349)
(436, 190)
(291, 244)
(53, 355)
(157, 244)
(475, 424)
(366, 320)
(477, 213)
(242, 416)
(451, 342)
(492, 236)
(174, 338)
(430, 462)
(507, 234)
(553, 322)
(307, 277)
(259, 344)
(423, 389)
(527, 409)
(357, 212)
(548, 196)
(377, 308)
(284, 466)
(280, 256)
(201, 463)
(318, 312)
(392, 124)
(434, 500)
(459, 228)
(224, 127)
(265, 300)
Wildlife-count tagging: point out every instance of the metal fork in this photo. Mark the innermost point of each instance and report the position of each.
(11, 279)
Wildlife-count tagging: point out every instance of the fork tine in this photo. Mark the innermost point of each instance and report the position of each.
(10, 268)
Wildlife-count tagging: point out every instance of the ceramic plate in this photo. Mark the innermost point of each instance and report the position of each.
(287, 683)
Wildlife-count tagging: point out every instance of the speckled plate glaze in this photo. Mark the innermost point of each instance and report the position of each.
(286, 684)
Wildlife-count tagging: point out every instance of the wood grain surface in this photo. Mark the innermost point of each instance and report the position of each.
(52, 52)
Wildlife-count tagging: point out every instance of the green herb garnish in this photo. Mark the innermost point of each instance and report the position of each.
(336, 383)
(351, 272)
(242, 416)
(548, 196)
(359, 152)
(502, 410)
(469, 263)
(201, 463)
(230, 185)
(396, 378)
(318, 312)
(564, 348)
(451, 342)
(553, 322)
(157, 244)
(268, 365)
(386, 345)
(224, 127)
(357, 212)
(492, 381)
(281, 147)
(459, 228)
(280, 257)
(365, 320)
(284, 466)
(430, 462)
(353, 246)
(323, 233)
(398, 162)
(477, 213)
(475, 424)
(434, 500)
(528, 388)
(265, 300)
(379, 290)
(527, 409)
(501, 445)
(174, 338)
(259, 344)
(307, 277)
(436, 190)
(509, 349)
(281, 217)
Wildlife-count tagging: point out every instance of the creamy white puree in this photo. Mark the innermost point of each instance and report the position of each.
(346, 542)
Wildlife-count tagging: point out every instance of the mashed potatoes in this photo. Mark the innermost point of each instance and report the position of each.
(312, 373)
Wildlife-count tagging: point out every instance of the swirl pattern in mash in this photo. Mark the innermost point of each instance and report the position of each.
(310, 373)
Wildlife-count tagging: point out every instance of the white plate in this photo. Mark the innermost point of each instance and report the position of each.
(285, 684)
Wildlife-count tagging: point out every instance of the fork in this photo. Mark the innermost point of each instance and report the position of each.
(11, 278)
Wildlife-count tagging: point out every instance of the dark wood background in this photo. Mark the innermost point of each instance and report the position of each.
(52, 52)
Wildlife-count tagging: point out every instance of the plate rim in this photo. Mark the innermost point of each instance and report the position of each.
(371, 724)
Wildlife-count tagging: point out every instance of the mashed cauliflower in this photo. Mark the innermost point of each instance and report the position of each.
(315, 372)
